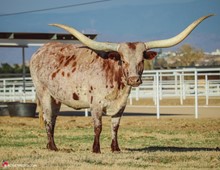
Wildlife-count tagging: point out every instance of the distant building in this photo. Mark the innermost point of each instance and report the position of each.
(217, 52)
(170, 59)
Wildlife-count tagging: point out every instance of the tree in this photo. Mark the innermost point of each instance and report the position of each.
(148, 64)
(15, 70)
(161, 63)
(6, 68)
(188, 55)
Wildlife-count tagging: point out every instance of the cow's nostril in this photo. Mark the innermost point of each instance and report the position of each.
(134, 81)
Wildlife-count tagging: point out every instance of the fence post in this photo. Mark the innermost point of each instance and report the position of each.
(176, 82)
(23, 74)
(155, 89)
(130, 99)
(196, 93)
(184, 85)
(4, 89)
(137, 93)
(206, 90)
(157, 94)
(86, 113)
(160, 79)
(181, 88)
(13, 92)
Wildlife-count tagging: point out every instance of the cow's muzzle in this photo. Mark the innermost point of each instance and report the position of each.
(134, 81)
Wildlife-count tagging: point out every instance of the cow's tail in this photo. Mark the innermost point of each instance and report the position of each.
(41, 118)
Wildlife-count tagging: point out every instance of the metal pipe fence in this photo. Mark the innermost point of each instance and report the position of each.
(157, 85)
(12, 89)
(180, 84)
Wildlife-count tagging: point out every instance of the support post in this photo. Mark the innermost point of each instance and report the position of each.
(24, 72)
(86, 113)
(158, 95)
(196, 93)
(206, 90)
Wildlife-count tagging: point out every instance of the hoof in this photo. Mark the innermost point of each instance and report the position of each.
(115, 147)
(96, 150)
(116, 150)
(52, 147)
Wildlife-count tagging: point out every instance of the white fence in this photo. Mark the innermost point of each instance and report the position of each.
(157, 84)
(178, 83)
(16, 89)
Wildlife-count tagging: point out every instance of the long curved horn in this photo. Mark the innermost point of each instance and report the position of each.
(178, 38)
(104, 46)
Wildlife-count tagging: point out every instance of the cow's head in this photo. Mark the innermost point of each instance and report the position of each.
(132, 60)
(133, 54)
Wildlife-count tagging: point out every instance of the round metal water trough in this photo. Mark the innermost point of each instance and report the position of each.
(4, 109)
(22, 109)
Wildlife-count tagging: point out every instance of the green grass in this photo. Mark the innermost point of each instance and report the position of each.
(146, 143)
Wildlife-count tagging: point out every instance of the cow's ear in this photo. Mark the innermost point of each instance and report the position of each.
(149, 55)
(114, 55)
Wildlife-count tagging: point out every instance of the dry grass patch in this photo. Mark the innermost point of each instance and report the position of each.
(146, 143)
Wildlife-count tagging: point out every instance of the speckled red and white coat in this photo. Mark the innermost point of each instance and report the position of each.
(80, 77)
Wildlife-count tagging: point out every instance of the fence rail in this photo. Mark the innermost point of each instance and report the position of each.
(17, 89)
(157, 84)
(179, 84)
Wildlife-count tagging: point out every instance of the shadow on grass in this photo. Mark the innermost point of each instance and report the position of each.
(171, 149)
(82, 113)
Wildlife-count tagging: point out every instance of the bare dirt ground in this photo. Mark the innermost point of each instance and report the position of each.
(170, 107)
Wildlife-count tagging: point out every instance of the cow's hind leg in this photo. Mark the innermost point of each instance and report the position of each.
(97, 119)
(50, 111)
(115, 125)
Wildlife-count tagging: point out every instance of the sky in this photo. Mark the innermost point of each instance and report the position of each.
(112, 20)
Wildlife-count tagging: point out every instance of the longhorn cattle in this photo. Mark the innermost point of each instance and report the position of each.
(95, 75)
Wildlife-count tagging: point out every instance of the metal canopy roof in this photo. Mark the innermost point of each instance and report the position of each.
(12, 39)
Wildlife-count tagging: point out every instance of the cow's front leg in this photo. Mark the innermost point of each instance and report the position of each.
(97, 119)
(115, 125)
(50, 111)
